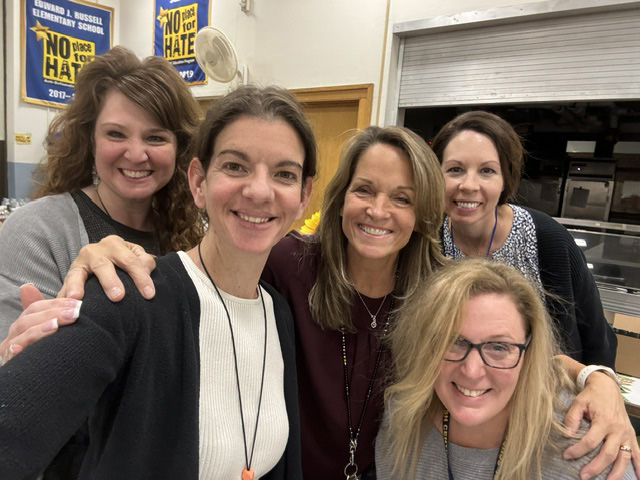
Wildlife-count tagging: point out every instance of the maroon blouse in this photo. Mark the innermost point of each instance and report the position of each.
(292, 270)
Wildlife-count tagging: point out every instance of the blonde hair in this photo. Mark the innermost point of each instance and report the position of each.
(426, 328)
(330, 296)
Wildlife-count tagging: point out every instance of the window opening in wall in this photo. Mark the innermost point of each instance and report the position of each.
(583, 158)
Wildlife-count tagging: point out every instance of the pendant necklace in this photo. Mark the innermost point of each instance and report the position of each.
(493, 232)
(102, 203)
(351, 469)
(445, 437)
(374, 317)
(247, 472)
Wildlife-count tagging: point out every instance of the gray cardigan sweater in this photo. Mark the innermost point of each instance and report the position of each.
(39, 241)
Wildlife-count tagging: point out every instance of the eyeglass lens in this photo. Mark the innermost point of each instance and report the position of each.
(494, 354)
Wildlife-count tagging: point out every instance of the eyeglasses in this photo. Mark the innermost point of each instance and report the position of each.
(502, 355)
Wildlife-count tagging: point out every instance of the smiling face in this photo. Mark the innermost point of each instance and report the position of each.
(253, 189)
(378, 213)
(134, 155)
(473, 178)
(476, 395)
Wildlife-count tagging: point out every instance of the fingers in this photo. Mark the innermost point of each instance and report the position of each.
(602, 402)
(73, 285)
(100, 259)
(575, 413)
(626, 454)
(108, 278)
(39, 320)
(635, 456)
(11, 352)
(609, 453)
(590, 441)
(622, 462)
(148, 261)
(139, 268)
(29, 294)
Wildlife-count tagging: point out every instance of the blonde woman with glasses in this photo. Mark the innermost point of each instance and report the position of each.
(477, 392)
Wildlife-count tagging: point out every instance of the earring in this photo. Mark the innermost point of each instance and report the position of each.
(94, 175)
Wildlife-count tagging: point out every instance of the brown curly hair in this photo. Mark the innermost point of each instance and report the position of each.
(156, 86)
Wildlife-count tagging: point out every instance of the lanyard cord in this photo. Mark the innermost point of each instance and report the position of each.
(353, 437)
(248, 458)
(493, 232)
(445, 438)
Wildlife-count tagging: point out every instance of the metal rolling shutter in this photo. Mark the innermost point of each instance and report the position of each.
(582, 57)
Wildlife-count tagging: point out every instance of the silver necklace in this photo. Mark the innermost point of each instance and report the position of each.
(374, 318)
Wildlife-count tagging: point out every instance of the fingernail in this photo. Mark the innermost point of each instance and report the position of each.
(50, 326)
(72, 313)
(12, 350)
(114, 292)
(585, 476)
(70, 303)
(148, 291)
(76, 311)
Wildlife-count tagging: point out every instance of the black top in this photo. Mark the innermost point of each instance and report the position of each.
(99, 225)
(133, 368)
(585, 333)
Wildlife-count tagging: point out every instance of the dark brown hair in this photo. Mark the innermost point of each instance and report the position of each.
(268, 103)
(504, 138)
(156, 86)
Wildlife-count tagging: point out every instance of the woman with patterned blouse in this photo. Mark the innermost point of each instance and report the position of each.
(482, 157)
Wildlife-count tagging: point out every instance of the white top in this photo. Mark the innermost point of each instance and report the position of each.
(221, 445)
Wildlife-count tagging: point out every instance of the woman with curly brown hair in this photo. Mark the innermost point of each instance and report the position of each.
(116, 163)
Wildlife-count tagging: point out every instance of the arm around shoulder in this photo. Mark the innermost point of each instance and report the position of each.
(53, 386)
(38, 243)
(565, 273)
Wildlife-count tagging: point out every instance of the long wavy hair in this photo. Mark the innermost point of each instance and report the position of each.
(156, 86)
(504, 138)
(424, 331)
(331, 295)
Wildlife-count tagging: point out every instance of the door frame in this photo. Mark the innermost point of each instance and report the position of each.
(361, 93)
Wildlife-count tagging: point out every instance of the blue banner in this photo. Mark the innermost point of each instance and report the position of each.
(59, 37)
(176, 23)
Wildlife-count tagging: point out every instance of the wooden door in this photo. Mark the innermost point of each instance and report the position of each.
(335, 113)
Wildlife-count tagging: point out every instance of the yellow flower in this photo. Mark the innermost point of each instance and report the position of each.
(310, 224)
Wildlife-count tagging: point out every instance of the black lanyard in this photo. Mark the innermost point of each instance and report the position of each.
(445, 437)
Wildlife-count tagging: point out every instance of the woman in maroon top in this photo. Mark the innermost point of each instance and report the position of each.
(376, 242)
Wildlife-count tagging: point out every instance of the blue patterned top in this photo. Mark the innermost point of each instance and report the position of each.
(520, 248)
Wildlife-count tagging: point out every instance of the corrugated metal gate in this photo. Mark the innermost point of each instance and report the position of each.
(582, 57)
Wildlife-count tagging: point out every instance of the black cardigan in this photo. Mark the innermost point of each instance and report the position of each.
(133, 368)
(585, 333)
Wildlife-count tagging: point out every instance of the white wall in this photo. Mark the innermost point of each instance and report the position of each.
(291, 43)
